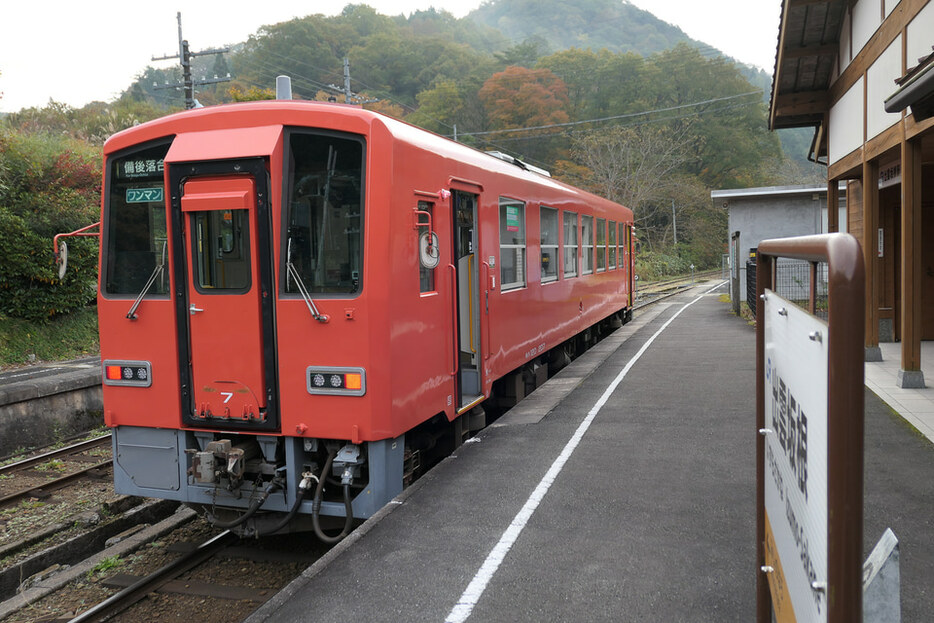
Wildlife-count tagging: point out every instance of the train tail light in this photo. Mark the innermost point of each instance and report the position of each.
(127, 373)
(323, 380)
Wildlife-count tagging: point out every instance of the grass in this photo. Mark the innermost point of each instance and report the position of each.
(105, 565)
(54, 465)
(65, 337)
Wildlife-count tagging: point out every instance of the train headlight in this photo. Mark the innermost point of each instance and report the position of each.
(127, 373)
(330, 381)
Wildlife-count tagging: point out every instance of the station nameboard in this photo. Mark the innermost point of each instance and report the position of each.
(809, 450)
(795, 460)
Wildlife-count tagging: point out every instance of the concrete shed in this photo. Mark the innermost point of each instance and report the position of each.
(757, 214)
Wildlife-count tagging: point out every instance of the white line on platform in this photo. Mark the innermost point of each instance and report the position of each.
(477, 586)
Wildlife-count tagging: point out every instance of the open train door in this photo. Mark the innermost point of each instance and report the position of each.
(223, 287)
(467, 299)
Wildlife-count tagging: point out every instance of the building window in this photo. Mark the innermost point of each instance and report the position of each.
(426, 276)
(570, 244)
(511, 243)
(612, 247)
(549, 218)
(601, 245)
(586, 244)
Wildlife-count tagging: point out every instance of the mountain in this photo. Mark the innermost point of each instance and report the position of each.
(594, 24)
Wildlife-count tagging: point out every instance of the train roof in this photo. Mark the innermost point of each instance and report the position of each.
(251, 117)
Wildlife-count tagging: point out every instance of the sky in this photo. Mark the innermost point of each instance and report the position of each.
(78, 52)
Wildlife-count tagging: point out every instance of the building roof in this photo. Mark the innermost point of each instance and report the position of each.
(808, 44)
(799, 189)
(915, 89)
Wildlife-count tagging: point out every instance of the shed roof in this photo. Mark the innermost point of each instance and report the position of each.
(798, 189)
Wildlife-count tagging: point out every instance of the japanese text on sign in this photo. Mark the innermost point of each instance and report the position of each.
(144, 195)
(796, 381)
(141, 168)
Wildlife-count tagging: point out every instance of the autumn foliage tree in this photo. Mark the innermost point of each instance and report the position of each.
(519, 97)
(535, 99)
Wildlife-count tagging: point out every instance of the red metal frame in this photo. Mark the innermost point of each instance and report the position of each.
(83, 232)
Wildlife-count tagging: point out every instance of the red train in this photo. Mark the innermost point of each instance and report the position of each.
(299, 301)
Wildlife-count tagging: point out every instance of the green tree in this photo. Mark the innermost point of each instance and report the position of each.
(524, 54)
(726, 114)
(51, 185)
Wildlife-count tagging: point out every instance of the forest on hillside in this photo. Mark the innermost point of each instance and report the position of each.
(602, 94)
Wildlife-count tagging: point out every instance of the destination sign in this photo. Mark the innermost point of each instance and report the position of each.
(796, 412)
(140, 168)
(144, 195)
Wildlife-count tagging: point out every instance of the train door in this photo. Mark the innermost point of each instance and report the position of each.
(225, 311)
(467, 299)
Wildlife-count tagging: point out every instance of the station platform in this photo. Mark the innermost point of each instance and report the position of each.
(621, 490)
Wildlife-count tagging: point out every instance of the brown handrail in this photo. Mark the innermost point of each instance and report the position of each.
(846, 315)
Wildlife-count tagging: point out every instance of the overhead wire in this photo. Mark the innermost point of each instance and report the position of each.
(611, 118)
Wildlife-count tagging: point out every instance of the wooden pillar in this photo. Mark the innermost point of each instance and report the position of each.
(910, 374)
(833, 206)
(870, 255)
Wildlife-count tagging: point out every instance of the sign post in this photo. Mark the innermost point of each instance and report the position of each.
(809, 450)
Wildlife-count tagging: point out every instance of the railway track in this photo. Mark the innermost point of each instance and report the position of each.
(38, 483)
(649, 293)
(141, 587)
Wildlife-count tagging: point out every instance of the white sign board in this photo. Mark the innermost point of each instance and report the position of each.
(796, 384)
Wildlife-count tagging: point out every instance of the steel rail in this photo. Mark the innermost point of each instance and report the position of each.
(81, 446)
(648, 287)
(138, 590)
(52, 485)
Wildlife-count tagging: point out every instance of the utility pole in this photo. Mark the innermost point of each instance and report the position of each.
(185, 55)
(349, 96)
(674, 222)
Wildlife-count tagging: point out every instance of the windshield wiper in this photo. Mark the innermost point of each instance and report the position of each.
(304, 292)
(156, 273)
(293, 273)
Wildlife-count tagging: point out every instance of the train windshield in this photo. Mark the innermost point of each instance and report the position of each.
(325, 220)
(135, 228)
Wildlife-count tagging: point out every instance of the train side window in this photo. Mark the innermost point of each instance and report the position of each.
(586, 244)
(511, 243)
(549, 244)
(426, 276)
(324, 195)
(135, 236)
(612, 245)
(570, 244)
(601, 245)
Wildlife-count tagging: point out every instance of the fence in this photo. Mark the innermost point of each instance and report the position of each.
(801, 282)
(751, 286)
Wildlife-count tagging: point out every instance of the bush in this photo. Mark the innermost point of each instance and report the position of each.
(50, 185)
(652, 265)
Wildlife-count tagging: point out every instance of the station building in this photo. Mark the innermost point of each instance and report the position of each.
(861, 73)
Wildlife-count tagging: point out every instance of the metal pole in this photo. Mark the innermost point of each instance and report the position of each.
(674, 221)
(347, 92)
